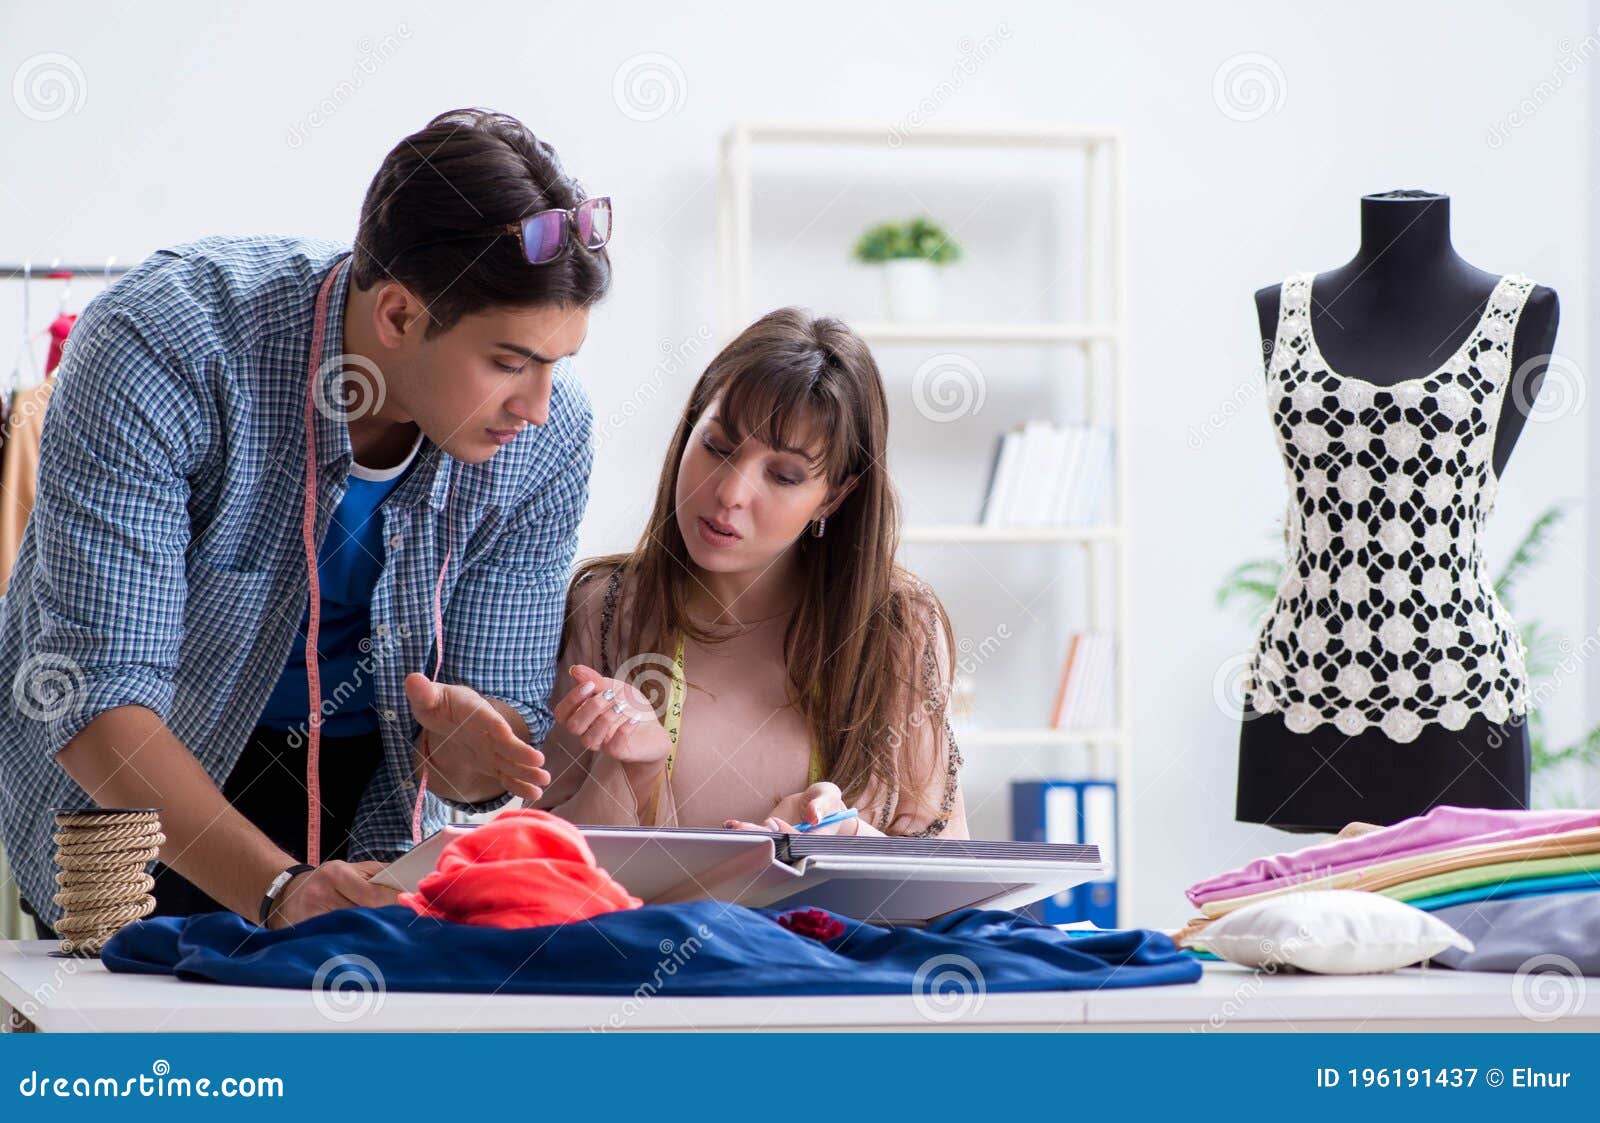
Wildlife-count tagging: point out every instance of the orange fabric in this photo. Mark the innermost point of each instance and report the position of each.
(20, 474)
(522, 869)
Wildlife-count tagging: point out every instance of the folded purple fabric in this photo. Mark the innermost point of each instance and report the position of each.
(1440, 829)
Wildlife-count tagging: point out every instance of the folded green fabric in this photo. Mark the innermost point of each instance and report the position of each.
(1494, 873)
(1585, 881)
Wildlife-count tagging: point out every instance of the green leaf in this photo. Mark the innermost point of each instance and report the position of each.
(920, 238)
(1529, 552)
(1252, 584)
(1585, 750)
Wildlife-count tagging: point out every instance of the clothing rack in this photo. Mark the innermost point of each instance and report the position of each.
(56, 271)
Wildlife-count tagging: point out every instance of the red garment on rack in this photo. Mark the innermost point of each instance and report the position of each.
(522, 869)
(60, 328)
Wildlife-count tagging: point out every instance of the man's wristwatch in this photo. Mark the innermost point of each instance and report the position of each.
(276, 887)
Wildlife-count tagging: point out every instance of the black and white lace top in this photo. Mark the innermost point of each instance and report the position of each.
(1386, 616)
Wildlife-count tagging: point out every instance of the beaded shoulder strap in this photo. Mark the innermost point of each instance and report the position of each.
(608, 615)
(939, 701)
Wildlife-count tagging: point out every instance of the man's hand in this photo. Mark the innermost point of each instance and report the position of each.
(332, 885)
(474, 754)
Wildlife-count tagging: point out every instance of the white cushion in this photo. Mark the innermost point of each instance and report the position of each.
(1329, 931)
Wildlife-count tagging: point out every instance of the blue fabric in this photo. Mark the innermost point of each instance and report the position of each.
(1579, 882)
(700, 948)
(163, 566)
(349, 562)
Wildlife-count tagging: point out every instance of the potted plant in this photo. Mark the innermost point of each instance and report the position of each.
(909, 254)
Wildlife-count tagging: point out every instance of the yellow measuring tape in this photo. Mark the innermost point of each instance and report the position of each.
(673, 721)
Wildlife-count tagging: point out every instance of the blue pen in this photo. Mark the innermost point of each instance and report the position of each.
(828, 820)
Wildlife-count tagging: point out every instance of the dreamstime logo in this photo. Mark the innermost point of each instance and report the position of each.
(1271, 956)
(1231, 687)
(347, 987)
(349, 387)
(650, 674)
(1560, 391)
(1570, 57)
(47, 87)
(47, 686)
(970, 57)
(1249, 86)
(1547, 988)
(649, 86)
(948, 387)
(371, 56)
(675, 359)
(1243, 394)
(674, 955)
(947, 988)
(936, 706)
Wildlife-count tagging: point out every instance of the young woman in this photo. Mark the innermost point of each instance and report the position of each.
(759, 660)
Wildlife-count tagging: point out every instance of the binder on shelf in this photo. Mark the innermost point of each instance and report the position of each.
(1081, 812)
(1099, 802)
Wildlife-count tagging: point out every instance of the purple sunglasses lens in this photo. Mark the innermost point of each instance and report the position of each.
(541, 236)
(594, 222)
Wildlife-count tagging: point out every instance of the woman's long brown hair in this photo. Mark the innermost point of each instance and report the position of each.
(855, 644)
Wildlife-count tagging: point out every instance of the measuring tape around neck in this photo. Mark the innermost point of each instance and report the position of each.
(308, 535)
(673, 719)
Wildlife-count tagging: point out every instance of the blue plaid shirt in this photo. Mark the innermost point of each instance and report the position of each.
(163, 564)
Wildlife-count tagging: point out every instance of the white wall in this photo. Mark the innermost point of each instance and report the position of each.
(197, 120)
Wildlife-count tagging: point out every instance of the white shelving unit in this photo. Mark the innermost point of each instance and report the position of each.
(1100, 335)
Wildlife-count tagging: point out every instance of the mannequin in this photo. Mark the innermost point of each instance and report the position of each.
(1397, 310)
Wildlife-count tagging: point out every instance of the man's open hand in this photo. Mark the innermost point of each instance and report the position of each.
(474, 754)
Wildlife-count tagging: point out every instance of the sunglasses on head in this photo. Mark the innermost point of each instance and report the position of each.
(546, 235)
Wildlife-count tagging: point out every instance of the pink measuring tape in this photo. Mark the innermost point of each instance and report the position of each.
(314, 611)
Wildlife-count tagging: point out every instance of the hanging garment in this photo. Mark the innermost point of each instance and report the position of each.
(1440, 829)
(698, 948)
(1386, 616)
(522, 869)
(20, 471)
(60, 328)
(14, 923)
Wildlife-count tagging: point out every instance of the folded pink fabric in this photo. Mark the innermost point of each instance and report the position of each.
(1440, 828)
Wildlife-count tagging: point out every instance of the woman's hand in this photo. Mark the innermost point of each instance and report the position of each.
(610, 716)
(810, 806)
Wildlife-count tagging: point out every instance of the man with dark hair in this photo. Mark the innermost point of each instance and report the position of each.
(262, 449)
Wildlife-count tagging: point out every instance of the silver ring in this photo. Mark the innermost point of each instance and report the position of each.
(618, 707)
(609, 694)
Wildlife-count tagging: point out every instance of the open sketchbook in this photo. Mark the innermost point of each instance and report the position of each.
(906, 881)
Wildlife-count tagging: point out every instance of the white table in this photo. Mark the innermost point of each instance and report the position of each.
(76, 995)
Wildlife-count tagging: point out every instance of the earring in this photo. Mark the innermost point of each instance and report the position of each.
(816, 531)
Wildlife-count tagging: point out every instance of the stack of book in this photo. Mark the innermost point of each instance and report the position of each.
(1087, 696)
(1044, 474)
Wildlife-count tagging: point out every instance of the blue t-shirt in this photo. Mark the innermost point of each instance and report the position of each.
(348, 566)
